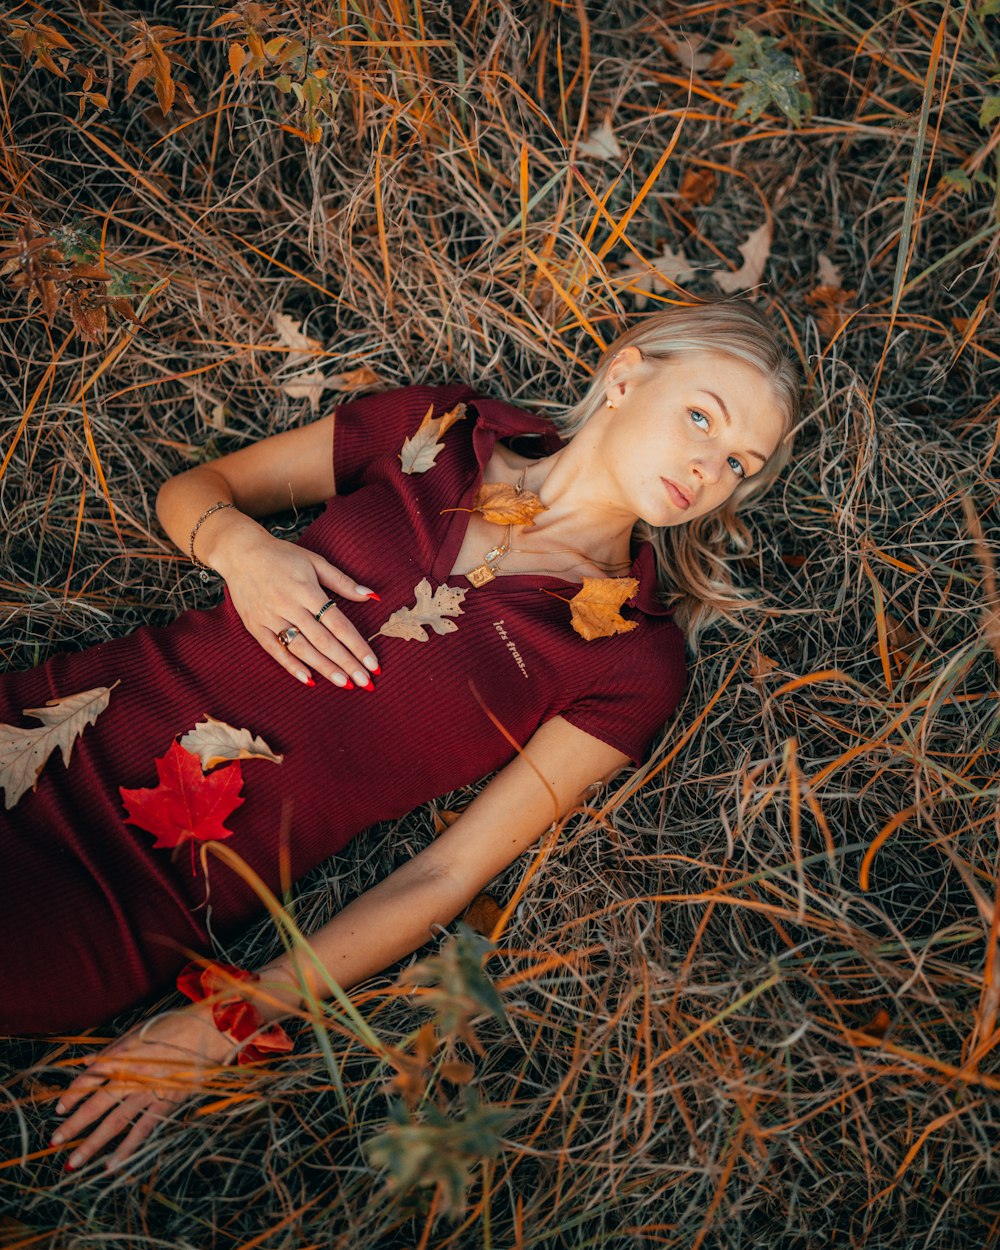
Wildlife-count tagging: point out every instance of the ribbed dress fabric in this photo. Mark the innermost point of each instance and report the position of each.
(95, 920)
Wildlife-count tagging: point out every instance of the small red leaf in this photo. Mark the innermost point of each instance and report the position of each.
(187, 803)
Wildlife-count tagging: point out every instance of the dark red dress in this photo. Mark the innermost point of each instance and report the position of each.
(95, 920)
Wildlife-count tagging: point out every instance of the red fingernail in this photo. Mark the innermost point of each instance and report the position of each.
(69, 1168)
(350, 685)
(310, 682)
(370, 686)
(377, 670)
(373, 595)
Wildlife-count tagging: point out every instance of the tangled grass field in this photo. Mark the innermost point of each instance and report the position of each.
(750, 997)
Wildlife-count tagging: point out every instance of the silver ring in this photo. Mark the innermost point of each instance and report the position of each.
(330, 603)
(288, 635)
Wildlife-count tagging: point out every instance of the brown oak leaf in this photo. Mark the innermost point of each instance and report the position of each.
(214, 742)
(601, 143)
(698, 186)
(428, 612)
(421, 449)
(831, 305)
(24, 752)
(501, 503)
(756, 252)
(482, 914)
(595, 607)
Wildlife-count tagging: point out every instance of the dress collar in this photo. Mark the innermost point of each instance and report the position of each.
(505, 420)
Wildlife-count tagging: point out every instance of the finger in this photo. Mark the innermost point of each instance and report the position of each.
(78, 1089)
(113, 1125)
(337, 626)
(153, 1116)
(335, 661)
(98, 1104)
(289, 662)
(337, 580)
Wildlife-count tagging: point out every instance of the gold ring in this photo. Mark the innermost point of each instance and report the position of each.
(288, 635)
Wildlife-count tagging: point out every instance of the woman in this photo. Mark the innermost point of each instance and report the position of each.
(688, 417)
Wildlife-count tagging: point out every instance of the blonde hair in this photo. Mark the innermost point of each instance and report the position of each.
(692, 560)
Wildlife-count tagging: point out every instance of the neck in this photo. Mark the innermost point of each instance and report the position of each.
(573, 485)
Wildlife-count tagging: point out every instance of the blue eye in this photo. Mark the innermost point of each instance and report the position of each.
(737, 467)
(696, 416)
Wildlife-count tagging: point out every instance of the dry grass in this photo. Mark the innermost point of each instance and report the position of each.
(751, 997)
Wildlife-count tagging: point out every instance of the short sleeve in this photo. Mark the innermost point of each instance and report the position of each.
(374, 426)
(629, 705)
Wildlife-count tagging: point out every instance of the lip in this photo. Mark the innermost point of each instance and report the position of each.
(675, 493)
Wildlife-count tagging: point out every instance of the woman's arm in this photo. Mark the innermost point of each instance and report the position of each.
(293, 469)
(396, 916)
(273, 584)
(167, 1057)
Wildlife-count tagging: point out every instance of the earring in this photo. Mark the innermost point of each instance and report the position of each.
(609, 404)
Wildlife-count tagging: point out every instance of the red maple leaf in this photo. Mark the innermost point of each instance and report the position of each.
(187, 803)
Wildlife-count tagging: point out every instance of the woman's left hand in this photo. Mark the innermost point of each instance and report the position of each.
(137, 1081)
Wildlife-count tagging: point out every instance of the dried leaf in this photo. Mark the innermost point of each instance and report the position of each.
(761, 665)
(755, 252)
(187, 803)
(443, 819)
(831, 306)
(301, 345)
(421, 450)
(502, 504)
(601, 142)
(669, 270)
(698, 186)
(428, 612)
(482, 914)
(24, 752)
(829, 274)
(309, 386)
(687, 50)
(355, 379)
(215, 742)
(595, 607)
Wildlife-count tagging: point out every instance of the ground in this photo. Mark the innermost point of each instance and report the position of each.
(750, 999)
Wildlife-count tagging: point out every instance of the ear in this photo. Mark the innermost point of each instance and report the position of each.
(627, 366)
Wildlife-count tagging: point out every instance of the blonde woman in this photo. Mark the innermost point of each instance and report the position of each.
(687, 420)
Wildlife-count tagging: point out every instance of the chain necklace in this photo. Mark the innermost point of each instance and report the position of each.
(489, 570)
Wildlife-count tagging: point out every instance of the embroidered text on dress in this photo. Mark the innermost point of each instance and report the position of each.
(518, 660)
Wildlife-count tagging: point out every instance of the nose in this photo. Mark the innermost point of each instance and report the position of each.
(710, 471)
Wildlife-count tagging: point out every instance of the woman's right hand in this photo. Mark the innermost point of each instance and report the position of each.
(277, 585)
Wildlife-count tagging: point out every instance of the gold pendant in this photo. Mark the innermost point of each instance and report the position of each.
(481, 575)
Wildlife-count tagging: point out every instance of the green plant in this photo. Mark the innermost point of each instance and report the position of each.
(769, 76)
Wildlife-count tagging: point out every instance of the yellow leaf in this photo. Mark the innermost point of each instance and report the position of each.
(215, 742)
(502, 504)
(595, 608)
(237, 58)
(139, 71)
(421, 450)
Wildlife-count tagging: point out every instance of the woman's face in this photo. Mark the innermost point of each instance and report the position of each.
(686, 432)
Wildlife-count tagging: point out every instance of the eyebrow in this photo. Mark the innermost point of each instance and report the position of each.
(729, 421)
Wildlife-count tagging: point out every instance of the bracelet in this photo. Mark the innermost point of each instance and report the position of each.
(233, 1015)
(197, 526)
